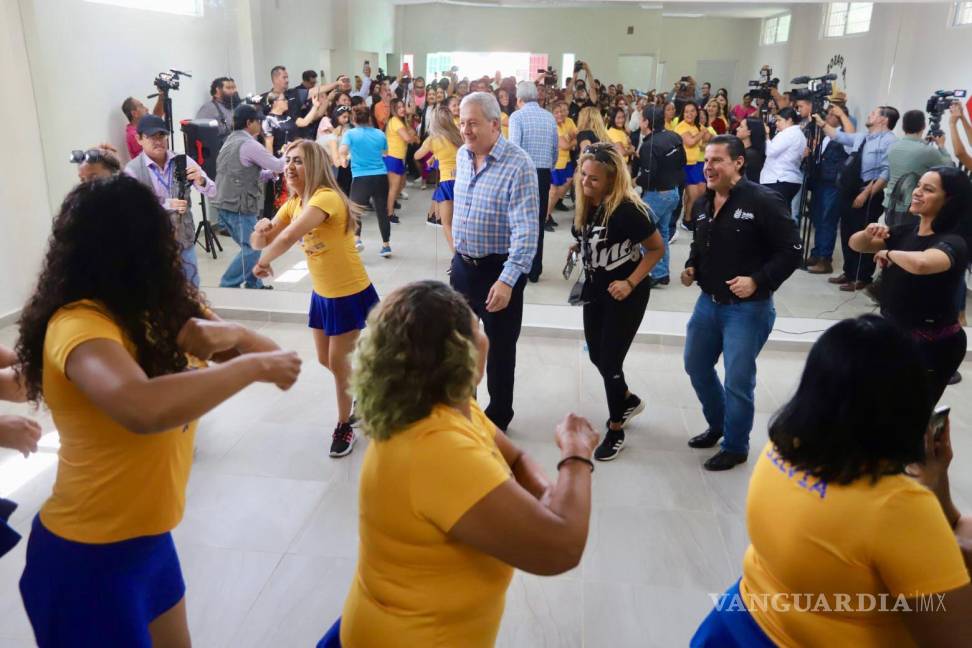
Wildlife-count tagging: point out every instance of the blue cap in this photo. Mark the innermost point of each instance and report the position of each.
(151, 124)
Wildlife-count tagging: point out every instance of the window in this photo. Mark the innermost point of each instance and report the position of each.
(184, 7)
(478, 64)
(776, 29)
(846, 18)
(962, 15)
(566, 68)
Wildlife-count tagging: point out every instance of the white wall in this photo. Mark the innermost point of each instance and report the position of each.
(23, 190)
(597, 36)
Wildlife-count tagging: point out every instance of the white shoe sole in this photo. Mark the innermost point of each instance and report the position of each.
(635, 412)
(384, 255)
(612, 457)
(346, 452)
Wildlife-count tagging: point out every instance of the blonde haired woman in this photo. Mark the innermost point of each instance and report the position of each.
(619, 246)
(448, 505)
(318, 216)
(443, 142)
(590, 128)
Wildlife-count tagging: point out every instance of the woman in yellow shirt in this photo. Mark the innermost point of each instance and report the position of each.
(318, 216)
(107, 353)
(845, 545)
(507, 105)
(399, 135)
(563, 171)
(448, 506)
(618, 132)
(694, 138)
(443, 142)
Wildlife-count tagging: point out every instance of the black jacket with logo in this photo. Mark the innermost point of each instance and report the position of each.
(752, 236)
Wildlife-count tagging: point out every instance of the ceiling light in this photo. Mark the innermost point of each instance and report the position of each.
(680, 14)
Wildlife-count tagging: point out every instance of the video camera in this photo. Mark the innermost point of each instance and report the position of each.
(762, 88)
(550, 76)
(816, 92)
(167, 81)
(936, 106)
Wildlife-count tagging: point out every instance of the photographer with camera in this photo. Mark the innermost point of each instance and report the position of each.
(134, 110)
(784, 155)
(580, 94)
(96, 163)
(862, 181)
(156, 167)
(241, 166)
(223, 99)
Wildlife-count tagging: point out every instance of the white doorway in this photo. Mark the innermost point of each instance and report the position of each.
(721, 74)
(637, 71)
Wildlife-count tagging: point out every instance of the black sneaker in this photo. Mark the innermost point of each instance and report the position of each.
(955, 379)
(633, 406)
(394, 219)
(342, 441)
(560, 206)
(353, 419)
(660, 281)
(548, 227)
(398, 205)
(610, 446)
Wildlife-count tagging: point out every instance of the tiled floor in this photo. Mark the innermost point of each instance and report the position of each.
(269, 541)
(420, 252)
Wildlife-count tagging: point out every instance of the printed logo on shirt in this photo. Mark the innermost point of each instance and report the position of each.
(807, 481)
(609, 257)
(741, 215)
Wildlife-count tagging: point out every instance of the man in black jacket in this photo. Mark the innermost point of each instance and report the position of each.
(745, 246)
(661, 161)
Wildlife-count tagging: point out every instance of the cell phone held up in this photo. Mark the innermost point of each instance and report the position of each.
(938, 420)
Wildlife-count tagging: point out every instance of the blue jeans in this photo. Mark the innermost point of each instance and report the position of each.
(662, 205)
(825, 215)
(240, 269)
(737, 332)
(190, 264)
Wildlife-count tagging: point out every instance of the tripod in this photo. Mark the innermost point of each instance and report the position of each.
(210, 243)
(814, 141)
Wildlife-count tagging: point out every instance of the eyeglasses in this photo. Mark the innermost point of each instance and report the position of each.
(601, 152)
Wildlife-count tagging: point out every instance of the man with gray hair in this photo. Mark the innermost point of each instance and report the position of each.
(535, 131)
(495, 228)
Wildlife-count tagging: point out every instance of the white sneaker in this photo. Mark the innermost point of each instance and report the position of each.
(359, 245)
(403, 195)
(674, 236)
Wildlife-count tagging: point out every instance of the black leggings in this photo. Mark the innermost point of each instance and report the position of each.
(609, 329)
(373, 187)
(787, 190)
(942, 358)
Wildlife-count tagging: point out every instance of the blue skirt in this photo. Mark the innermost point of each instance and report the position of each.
(694, 173)
(394, 165)
(80, 594)
(560, 177)
(445, 191)
(339, 315)
(8, 537)
(730, 627)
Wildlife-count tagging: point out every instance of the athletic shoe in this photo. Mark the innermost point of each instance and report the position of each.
(660, 281)
(342, 441)
(552, 222)
(673, 236)
(548, 227)
(560, 206)
(403, 195)
(955, 379)
(398, 205)
(633, 406)
(610, 446)
(353, 419)
(394, 219)
(359, 245)
(385, 251)
(685, 226)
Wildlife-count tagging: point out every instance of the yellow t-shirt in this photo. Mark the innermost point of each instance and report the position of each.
(567, 129)
(445, 152)
(814, 538)
(618, 136)
(505, 124)
(414, 586)
(396, 145)
(696, 153)
(112, 484)
(335, 267)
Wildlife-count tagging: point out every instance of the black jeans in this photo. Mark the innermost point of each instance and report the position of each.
(942, 358)
(502, 329)
(609, 329)
(787, 190)
(543, 180)
(858, 267)
(373, 187)
(344, 177)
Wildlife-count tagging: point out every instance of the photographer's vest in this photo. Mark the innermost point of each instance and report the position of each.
(185, 229)
(239, 189)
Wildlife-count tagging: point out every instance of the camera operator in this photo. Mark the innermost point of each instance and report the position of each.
(661, 162)
(96, 163)
(683, 92)
(580, 95)
(862, 182)
(784, 155)
(223, 99)
(956, 115)
(155, 168)
(134, 110)
(825, 207)
(909, 158)
(241, 166)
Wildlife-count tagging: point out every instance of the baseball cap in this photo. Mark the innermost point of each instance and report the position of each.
(341, 110)
(150, 125)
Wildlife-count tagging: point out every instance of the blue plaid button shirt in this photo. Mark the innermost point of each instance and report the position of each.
(495, 208)
(534, 130)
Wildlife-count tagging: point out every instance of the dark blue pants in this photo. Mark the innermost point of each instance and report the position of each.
(858, 267)
(825, 214)
(502, 329)
(543, 180)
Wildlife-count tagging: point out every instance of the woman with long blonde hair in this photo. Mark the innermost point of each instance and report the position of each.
(590, 128)
(443, 142)
(319, 216)
(619, 245)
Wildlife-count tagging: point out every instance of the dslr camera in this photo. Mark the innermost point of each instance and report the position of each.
(549, 76)
(578, 66)
(936, 106)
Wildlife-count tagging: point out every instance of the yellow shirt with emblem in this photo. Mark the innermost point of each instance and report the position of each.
(112, 484)
(334, 265)
(566, 129)
(396, 145)
(445, 152)
(823, 540)
(414, 586)
(694, 154)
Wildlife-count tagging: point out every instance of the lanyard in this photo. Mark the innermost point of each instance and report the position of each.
(162, 181)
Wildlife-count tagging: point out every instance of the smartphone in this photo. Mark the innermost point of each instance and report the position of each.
(938, 419)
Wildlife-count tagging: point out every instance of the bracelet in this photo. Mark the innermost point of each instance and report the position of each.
(628, 281)
(575, 458)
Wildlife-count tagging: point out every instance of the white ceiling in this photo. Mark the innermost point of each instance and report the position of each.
(712, 9)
